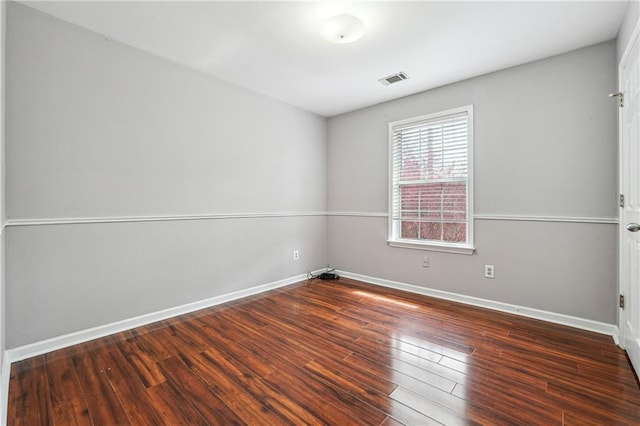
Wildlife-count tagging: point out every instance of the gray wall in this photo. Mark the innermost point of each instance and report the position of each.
(545, 145)
(96, 128)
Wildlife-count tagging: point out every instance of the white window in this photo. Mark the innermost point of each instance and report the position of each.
(431, 181)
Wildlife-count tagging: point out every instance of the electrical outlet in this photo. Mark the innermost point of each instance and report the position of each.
(296, 254)
(426, 262)
(489, 271)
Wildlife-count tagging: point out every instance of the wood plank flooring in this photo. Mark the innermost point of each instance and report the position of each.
(337, 353)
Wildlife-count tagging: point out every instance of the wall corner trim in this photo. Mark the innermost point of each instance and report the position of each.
(576, 322)
(4, 388)
(38, 348)
(616, 336)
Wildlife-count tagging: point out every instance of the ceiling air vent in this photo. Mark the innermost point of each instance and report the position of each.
(394, 78)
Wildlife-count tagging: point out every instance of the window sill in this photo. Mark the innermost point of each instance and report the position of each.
(457, 249)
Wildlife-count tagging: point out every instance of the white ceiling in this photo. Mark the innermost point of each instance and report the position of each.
(274, 48)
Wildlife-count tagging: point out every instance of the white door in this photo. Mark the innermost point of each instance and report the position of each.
(629, 319)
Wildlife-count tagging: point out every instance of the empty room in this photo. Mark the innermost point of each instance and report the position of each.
(323, 213)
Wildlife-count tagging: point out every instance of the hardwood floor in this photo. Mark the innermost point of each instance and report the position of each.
(335, 353)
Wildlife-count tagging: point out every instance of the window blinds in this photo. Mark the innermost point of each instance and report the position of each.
(430, 175)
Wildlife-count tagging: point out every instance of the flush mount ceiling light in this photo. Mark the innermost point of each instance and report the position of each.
(342, 29)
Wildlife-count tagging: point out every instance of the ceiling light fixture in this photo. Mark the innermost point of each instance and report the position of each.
(342, 29)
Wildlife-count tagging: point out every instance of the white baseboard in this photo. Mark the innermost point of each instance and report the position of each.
(576, 322)
(59, 342)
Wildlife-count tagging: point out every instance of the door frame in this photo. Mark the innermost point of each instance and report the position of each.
(635, 35)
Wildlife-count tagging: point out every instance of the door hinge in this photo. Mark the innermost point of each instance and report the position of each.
(620, 97)
(622, 200)
(622, 301)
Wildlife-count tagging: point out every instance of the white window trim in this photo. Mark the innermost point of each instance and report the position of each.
(467, 248)
(444, 247)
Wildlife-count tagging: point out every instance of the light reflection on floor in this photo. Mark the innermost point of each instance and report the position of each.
(422, 381)
(385, 299)
(424, 369)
